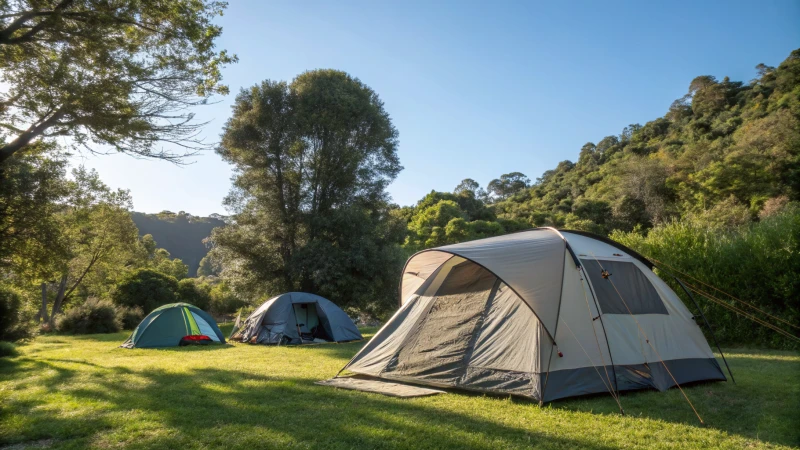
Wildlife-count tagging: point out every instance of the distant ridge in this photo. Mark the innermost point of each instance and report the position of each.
(181, 234)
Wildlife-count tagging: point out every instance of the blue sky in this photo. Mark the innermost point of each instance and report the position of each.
(476, 89)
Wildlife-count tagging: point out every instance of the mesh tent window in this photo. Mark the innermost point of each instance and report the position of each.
(633, 286)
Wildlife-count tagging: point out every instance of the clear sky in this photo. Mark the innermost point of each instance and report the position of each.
(476, 89)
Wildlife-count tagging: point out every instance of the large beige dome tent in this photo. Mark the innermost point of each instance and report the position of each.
(543, 314)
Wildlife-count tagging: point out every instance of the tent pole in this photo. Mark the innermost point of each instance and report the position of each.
(708, 325)
(558, 316)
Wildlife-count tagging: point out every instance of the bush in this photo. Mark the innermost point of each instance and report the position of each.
(758, 263)
(15, 320)
(189, 291)
(129, 318)
(146, 289)
(7, 349)
(224, 301)
(93, 316)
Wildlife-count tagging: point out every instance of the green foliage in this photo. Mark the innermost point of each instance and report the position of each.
(159, 259)
(129, 318)
(8, 350)
(101, 237)
(428, 228)
(32, 188)
(206, 268)
(313, 159)
(116, 73)
(145, 288)
(90, 317)
(192, 292)
(14, 318)
(224, 300)
(508, 184)
(756, 262)
(163, 263)
(442, 218)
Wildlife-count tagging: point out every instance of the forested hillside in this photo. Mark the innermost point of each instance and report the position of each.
(181, 234)
(724, 154)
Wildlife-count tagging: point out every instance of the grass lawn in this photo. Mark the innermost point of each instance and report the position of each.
(83, 391)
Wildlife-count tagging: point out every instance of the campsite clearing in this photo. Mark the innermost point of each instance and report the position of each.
(83, 391)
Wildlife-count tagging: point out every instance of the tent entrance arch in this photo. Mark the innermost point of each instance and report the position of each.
(308, 323)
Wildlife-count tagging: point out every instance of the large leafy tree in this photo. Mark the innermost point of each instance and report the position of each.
(31, 193)
(508, 184)
(116, 72)
(100, 237)
(313, 159)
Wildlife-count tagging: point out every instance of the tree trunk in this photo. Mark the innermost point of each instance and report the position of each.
(62, 287)
(43, 311)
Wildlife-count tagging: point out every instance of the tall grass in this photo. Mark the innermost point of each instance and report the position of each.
(758, 263)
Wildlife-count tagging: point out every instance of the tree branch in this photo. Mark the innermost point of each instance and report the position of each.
(31, 133)
(5, 35)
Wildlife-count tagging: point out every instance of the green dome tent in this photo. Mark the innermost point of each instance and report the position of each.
(173, 325)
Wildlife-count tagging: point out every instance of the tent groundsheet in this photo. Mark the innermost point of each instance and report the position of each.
(378, 386)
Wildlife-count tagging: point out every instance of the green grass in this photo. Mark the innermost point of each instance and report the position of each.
(79, 392)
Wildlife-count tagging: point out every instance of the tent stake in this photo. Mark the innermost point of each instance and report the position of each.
(708, 325)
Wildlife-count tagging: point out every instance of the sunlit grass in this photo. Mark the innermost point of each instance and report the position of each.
(78, 392)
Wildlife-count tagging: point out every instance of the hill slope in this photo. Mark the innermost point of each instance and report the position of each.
(180, 234)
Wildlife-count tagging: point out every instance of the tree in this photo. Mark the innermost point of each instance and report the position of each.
(32, 189)
(14, 323)
(224, 300)
(427, 229)
(160, 259)
(114, 72)
(207, 267)
(469, 188)
(313, 158)
(146, 289)
(173, 267)
(508, 184)
(467, 185)
(189, 291)
(100, 236)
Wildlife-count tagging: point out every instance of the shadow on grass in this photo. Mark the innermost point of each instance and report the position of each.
(214, 407)
(764, 405)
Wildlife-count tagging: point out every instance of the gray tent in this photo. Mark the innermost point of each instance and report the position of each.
(297, 318)
(541, 314)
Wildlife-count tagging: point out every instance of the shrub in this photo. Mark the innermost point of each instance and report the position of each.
(15, 320)
(7, 349)
(224, 300)
(93, 316)
(189, 291)
(146, 289)
(129, 318)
